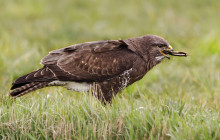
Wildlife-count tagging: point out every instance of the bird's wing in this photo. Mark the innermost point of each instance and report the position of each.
(90, 61)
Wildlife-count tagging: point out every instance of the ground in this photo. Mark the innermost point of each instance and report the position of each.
(178, 99)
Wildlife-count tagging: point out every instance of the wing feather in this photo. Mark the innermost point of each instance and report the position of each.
(90, 61)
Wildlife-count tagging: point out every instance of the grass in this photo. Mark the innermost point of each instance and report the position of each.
(178, 99)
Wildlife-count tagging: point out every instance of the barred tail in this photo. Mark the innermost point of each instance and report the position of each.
(20, 91)
(32, 81)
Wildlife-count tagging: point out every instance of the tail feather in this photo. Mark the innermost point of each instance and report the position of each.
(28, 88)
(41, 75)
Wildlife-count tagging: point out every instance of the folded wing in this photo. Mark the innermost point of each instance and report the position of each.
(93, 61)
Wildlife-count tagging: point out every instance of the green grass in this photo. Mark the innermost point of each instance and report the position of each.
(178, 99)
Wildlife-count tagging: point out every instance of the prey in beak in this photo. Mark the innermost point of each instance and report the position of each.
(170, 51)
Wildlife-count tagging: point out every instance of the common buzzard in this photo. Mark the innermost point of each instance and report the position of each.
(103, 67)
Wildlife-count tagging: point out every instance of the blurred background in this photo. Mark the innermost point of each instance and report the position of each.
(29, 29)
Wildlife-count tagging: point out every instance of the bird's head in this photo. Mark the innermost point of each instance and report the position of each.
(156, 47)
(153, 48)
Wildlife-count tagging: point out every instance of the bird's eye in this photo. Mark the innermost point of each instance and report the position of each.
(161, 45)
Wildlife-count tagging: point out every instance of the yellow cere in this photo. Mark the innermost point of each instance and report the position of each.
(170, 47)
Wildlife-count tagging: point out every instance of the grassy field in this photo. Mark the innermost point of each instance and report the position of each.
(178, 99)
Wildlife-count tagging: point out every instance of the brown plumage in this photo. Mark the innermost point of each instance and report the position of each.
(106, 67)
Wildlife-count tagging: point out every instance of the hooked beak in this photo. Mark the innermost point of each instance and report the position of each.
(163, 52)
(170, 48)
(170, 51)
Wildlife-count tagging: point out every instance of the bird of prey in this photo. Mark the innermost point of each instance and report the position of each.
(103, 67)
